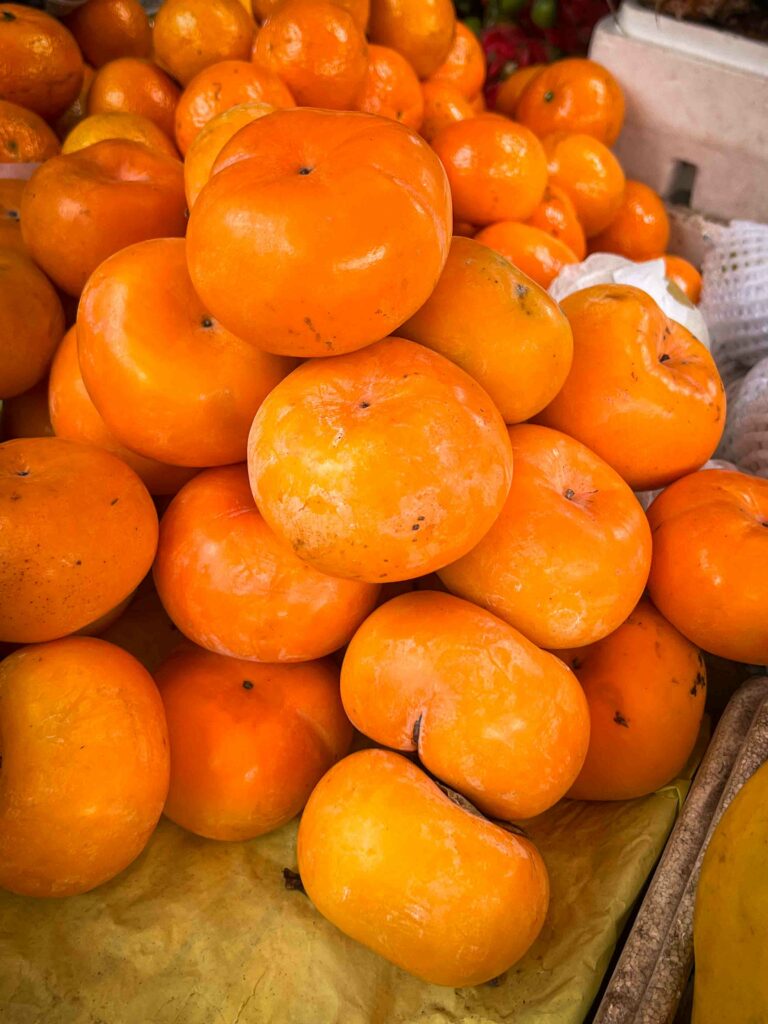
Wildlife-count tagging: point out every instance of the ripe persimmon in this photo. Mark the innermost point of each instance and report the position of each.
(639, 230)
(511, 89)
(684, 275)
(536, 253)
(31, 323)
(359, 9)
(79, 533)
(573, 95)
(135, 86)
(24, 135)
(41, 66)
(363, 210)
(190, 35)
(422, 30)
(568, 558)
(234, 587)
(383, 464)
(556, 215)
(443, 104)
(417, 677)
(645, 686)
(496, 168)
(390, 88)
(248, 742)
(199, 391)
(492, 321)
(108, 29)
(118, 125)
(710, 550)
(464, 932)
(79, 208)
(85, 765)
(642, 392)
(464, 65)
(590, 175)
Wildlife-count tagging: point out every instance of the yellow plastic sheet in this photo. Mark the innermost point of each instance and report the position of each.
(199, 932)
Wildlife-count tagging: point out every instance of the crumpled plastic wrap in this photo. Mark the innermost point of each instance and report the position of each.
(200, 932)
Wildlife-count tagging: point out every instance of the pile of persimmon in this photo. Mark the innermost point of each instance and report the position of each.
(288, 452)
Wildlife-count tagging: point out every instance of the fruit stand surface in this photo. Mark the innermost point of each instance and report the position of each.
(199, 932)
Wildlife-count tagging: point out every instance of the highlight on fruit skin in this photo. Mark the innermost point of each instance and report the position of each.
(476, 894)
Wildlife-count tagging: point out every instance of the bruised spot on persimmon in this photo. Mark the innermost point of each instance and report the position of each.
(619, 719)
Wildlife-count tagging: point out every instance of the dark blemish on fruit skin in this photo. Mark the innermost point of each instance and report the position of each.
(78, 562)
(569, 493)
(22, 472)
(17, 497)
(664, 358)
(114, 501)
(420, 519)
(576, 664)
(7, 16)
(292, 881)
(247, 684)
(365, 405)
(548, 96)
(415, 527)
(522, 290)
(619, 719)
(306, 170)
(416, 731)
(699, 682)
(206, 322)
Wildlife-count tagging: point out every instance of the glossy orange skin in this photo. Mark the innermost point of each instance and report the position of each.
(443, 104)
(417, 677)
(568, 558)
(511, 89)
(640, 230)
(40, 63)
(144, 630)
(390, 88)
(79, 208)
(379, 465)
(79, 532)
(210, 140)
(31, 323)
(24, 136)
(118, 125)
(232, 586)
(359, 9)
(318, 50)
(492, 321)
(219, 88)
(652, 418)
(244, 759)
(76, 418)
(645, 685)
(199, 391)
(464, 67)
(685, 276)
(315, 295)
(77, 110)
(135, 87)
(85, 765)
(590, 175)
(710, 545)
(476, 897)
(573, 95)
(496, 168)
(534, 252)
(556, 215)
(26, 415)
(190, 35)
(108, 29)
(10, 214)
(422, 30)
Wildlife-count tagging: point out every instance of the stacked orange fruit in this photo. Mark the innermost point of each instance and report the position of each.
(285, 382)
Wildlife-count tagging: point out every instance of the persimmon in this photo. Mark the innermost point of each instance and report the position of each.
(26, 415)
(511, 89)
(220, 87)
(108, 29)
(422, 30)
(10, 214)
(590, 175)
(31, 323)
(573, 95)
(85, 765)
(76, 418)
(199, 391)
(24, 135)
(496, 168)
(642, 392)
(477, 894)
(379, 465)
(41, 66)
(464, 65)
(640, 229)
(79, 208)
(359, 9)
(492, 321)
(684, 275)
(144, 628)
(135, 86)
(443, 104)
(318, 50)
(332, 185)
(79, 533)
(248, 742)
(568, 558)
(210, 140)
(556, 215)
(390, 88)
(234, 587)
(417, 677)
(190, 35)
(710, 549)
(118, 125)
(645, 685)
(534, 252)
